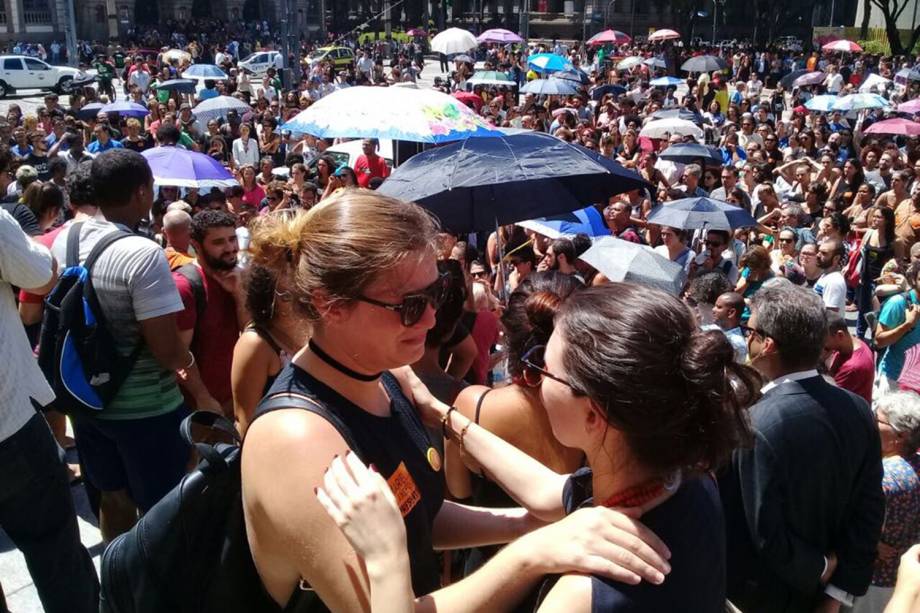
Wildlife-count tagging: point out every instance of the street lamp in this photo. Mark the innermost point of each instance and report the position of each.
(607, 12)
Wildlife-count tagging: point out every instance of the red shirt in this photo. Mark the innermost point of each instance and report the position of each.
(367, 168)
(856, 373)
(215, 334)
(46, 239)
(485, 333)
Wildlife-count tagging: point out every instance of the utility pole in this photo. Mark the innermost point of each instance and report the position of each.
(830, 19)
(525, 20)
(286, 70)
(322, 22)
(388, 24)
(70, 36)
(632, 18)
(715, 18)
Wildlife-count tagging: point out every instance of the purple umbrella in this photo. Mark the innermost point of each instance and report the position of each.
(128, 109)
(499, 35)
(184, 168)
(809, 78)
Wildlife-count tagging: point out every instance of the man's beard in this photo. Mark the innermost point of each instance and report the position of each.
(218, 264)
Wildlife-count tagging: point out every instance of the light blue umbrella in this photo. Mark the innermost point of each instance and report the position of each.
(665, 82)
(656, 62)
(822, 104)
(204, 71)
(550, 87)
(692, 213)
(625, 262)
(548, 62)
(856, 102)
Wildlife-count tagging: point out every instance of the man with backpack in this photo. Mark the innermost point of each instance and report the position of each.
(214, 311)
(36, 508)
(131, 448)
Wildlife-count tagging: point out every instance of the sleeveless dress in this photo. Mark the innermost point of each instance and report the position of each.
(691, 524)
(397, 445)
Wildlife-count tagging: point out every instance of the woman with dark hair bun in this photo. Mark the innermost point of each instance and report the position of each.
(655, 404)
(514, 412)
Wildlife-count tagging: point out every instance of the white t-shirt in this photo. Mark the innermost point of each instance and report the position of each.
(832, 288)
(834, 83)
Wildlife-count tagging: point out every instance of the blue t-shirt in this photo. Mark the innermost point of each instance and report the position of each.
(894, 313)
(97, 147)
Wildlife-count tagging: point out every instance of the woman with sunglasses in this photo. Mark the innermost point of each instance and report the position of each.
(515, 412)
(362, 271)
(653, 428)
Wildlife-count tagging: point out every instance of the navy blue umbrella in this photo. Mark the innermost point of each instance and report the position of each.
(692, 153)
(473, 184)
(692, 213)
(602, 90)
(183, 86)
(89, 111)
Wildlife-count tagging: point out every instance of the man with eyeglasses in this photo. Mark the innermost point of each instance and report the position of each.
(712, 258)
(746, 134)
(803, 505)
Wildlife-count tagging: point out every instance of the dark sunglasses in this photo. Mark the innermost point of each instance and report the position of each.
(535, 368)
(412, 308)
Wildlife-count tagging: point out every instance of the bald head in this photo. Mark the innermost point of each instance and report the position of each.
(728, 309)
(176, 218)
(177, 227)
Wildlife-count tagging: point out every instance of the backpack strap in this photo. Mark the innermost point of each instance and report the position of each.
(266, 336)
(293, 400)
(73, 244)
(193, 274)
(89, 291)
(211, 421)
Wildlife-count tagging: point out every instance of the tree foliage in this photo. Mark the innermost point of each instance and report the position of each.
(891, 11)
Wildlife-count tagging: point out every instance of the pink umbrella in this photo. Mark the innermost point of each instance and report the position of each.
(899, 125)
(809, 78)
(499, 35)
(606, 37)
(842, 45)
(416, 32)
(911, 106)
(665, 34)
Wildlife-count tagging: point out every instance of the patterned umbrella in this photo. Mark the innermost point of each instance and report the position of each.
(856, 102)
(395, 113)
(842, 45)
(548, 62)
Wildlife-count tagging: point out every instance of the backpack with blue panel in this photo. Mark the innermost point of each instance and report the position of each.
(77, 352)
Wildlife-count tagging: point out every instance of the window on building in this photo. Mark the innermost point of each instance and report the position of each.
(3, 13)
(36, 12)
(100, 14)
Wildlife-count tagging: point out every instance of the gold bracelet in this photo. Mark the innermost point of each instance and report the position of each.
(462, 434)
(445, 422)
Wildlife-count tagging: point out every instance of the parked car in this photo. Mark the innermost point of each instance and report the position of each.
(259, 62)
(22, 72)
(341, 57)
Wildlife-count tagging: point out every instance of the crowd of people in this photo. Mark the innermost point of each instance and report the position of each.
(497, 426)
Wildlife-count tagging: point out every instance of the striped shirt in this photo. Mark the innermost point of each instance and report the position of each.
(133, 283)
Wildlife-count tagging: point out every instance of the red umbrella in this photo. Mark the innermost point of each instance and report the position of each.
(842, 45)
(614, 37)
(898, 125)
(469, 99)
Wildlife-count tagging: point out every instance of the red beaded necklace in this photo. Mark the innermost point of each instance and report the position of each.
(637, 495)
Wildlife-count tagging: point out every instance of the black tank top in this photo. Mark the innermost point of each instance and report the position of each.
(397, 446)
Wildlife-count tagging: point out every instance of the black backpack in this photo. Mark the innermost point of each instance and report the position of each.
(76, 350)
(190, 553)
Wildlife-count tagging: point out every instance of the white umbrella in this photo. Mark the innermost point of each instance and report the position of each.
(623, 261)
(393, 113)
(664, 34)
(219, 106)
(874, 80)
(631, 61)
(662, 128)
(453, 40)
(177, 55)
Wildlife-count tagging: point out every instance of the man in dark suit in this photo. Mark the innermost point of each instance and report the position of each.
(804, 505)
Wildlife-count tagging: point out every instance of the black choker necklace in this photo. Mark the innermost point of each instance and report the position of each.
(331, 361)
